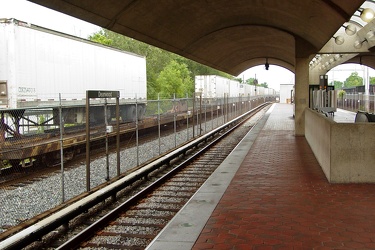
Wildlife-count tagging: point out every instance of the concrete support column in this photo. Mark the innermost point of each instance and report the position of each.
(301, 98)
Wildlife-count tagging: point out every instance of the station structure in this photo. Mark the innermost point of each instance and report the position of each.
(303, 180)
(271, 193)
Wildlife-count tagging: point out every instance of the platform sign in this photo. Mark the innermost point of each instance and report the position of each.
(102, 94)
(92, 94)
(323, 81)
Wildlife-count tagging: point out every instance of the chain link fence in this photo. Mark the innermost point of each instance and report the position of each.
(44, 149)
(358, 101)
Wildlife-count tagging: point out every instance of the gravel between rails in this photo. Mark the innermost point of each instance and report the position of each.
(162, 202)
(28, 200)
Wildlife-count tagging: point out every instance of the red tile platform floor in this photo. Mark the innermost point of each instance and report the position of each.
(280, 199)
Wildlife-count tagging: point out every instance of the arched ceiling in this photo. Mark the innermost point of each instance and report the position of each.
(363, 59)
(353, 42)
(229, 35)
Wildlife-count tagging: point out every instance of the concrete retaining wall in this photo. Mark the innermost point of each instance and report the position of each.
(345, 151)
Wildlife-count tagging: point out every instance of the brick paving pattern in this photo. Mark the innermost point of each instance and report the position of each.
(280, 199)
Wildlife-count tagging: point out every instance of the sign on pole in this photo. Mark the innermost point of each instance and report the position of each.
(101, 94)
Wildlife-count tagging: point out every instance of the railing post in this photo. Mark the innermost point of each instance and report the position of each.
(87, 141)
(106, 139)
(174, 120)
(187, 116)
(200, 114)
(136, 128)
(62, 151)
(193, 116)
(118, 134)
(159, 123)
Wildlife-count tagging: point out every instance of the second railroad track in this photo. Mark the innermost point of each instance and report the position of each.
(153, 197)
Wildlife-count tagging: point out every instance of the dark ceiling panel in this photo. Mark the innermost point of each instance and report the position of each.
(209, 31)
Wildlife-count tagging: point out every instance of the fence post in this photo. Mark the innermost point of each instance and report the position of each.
(174, 120)
(212, 115)
(217, 113)
(159, 123)
(106, 139)
(61, 152)
(136, 128)
(205, 116)
(118, 133)
(200, 113)
(187, 116)
(226, 116)
(193, 116)
(87, 141)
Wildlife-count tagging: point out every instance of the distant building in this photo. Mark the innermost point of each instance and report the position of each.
(286, 93)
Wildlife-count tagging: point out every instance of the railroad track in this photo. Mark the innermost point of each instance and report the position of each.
(44, 148)
(135, 222)
(137, 225)
(13, 178)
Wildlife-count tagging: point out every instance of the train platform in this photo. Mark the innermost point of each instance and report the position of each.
(343, 116)
(270, 193)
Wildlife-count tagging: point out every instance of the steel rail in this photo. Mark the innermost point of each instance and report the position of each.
(39, 229)
(85, 234)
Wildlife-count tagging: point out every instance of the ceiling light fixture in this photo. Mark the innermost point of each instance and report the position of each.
(350, 29)
(267, 65)
(370, 36)
(367, 14)
(339, 40)
(358, 44)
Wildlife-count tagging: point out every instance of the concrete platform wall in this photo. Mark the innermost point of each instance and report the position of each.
(318, 135)
(345, 151)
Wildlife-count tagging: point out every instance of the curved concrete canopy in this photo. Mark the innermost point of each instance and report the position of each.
(365, 59)
(362, 59)
(227, 35)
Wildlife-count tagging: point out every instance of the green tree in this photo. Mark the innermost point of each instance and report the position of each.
(175, 79)
(156, 59)
(372, 80)
(353, 80)
(238, 79)
(101, 38)
(250, 81)
(341, 94)
(265, 85)
(337, 84)
(199, 69)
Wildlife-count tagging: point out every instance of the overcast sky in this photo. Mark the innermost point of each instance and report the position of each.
(38, 15)
(41, 16)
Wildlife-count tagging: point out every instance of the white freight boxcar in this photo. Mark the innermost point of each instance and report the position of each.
(216, 87)
(234, 88)
(37, 65)
(211, 86)
(247, 90)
